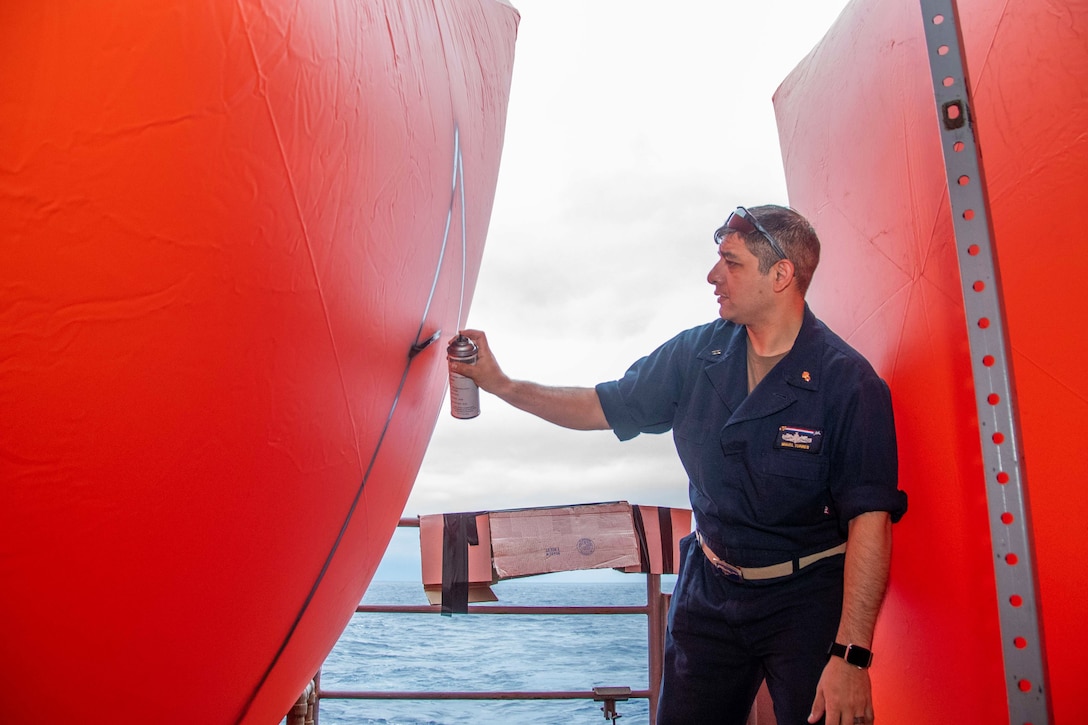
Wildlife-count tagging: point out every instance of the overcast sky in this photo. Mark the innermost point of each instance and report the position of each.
(634, 127)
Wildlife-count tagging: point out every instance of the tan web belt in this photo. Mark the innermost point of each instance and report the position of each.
(773, 571)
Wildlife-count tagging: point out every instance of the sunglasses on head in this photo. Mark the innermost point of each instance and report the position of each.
(742, 221)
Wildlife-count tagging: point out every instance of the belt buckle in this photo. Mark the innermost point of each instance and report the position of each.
(731, 572)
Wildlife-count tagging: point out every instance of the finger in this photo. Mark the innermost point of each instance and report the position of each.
(817, 707)
(477, 336)
(480, 339)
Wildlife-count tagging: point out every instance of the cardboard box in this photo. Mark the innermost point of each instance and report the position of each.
(480, 579)
(563, 538)
(524, 542)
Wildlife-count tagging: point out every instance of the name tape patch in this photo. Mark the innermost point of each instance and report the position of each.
(800, 439)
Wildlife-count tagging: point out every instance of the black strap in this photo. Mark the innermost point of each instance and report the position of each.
(458, 531)
(664, 526)
(664, 520)
(640, 534)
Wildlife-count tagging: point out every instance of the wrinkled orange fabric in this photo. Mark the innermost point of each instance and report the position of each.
(859, 135)
(223, 226)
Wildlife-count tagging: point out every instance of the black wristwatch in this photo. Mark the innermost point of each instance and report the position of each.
(855, 655)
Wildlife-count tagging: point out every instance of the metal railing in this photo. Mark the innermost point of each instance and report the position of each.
(307, 710)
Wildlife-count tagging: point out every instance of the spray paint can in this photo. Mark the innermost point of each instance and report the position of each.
(464, 393)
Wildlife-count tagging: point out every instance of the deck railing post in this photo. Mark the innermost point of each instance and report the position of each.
(655, 634)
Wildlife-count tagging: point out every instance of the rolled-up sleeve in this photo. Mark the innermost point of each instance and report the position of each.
(645, 399)
(868, 466)
(621, 417)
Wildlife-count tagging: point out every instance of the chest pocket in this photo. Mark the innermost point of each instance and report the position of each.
(795, 465)
(793, 489)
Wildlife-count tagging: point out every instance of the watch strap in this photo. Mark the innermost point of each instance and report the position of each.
(855, 655)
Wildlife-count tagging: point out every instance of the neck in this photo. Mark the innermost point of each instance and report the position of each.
(776, 337)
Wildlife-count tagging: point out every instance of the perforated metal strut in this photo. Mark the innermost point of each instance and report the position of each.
(1006, 494)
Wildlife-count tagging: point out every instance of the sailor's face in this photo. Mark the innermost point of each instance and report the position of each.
(742, 291)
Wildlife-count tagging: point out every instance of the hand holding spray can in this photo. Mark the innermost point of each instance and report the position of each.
(464, 393)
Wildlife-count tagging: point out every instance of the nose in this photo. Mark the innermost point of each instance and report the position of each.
(713, 276)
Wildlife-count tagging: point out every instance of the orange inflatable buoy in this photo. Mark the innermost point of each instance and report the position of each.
(864, 160)
(227, 232)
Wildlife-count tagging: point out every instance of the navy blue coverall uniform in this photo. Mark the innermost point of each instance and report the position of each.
(774, 475)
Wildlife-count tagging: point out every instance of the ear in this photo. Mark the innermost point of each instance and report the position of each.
(782, 274)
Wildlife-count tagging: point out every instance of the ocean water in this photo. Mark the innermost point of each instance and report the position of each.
(478, 652)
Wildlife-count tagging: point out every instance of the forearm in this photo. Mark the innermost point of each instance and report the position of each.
(868, 560)
(576, 408)
(844, 694)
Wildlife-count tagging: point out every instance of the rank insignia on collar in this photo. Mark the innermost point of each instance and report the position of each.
(806, 377)
(715, 352)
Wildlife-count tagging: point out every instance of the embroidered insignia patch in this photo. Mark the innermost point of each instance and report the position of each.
(801, 439)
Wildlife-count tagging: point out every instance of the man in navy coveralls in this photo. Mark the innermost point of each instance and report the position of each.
(787, 437)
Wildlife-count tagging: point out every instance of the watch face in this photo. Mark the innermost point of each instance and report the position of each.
(858, 656)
